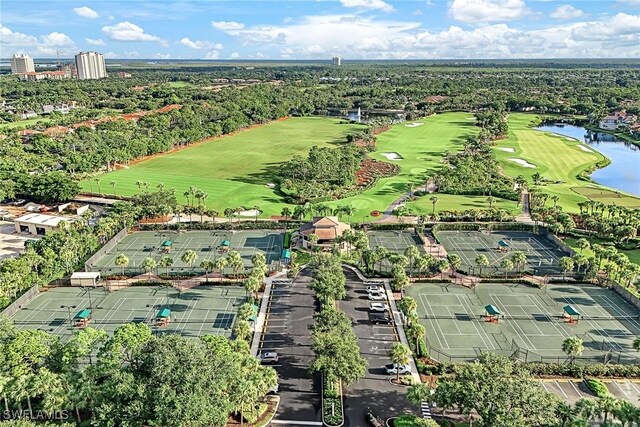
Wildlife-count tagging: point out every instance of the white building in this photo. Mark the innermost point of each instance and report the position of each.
(336, 60)
(38, 224)
(90, 65)
(21, 63)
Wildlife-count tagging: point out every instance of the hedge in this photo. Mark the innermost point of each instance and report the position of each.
(597, 387)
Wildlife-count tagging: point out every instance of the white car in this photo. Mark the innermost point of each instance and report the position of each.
(392, 369)
(374, 289)
(376, 297)
(378, 306)
(268, 357)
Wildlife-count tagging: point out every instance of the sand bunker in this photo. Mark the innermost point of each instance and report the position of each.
(250, 212)
(523, 163)
(584, 148)
(393, 156)
(414, 124)
(507, 149)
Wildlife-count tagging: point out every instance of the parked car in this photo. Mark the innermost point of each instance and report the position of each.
(274, 389)
(392, 369)
(375, 289)
(268, 357)
(377, 318)
(378, 306)
(376, 297)
(373, 419)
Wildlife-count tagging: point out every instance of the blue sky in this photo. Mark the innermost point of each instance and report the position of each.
(357, 29)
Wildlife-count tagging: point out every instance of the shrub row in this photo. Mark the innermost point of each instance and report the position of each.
(241, 225)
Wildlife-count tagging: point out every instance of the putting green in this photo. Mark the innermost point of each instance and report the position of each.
(234, 170)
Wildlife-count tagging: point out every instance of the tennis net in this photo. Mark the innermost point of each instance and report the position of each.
(536, 317)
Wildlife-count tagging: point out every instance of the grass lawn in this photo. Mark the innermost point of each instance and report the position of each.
(450, 202)
(422, 148)
(634, 255)
(23, 123)
(556, 158)
(234, 169)
(179, 84)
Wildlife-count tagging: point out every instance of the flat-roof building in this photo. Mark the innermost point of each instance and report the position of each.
(22, 63)
(38, 224)
(90, 65)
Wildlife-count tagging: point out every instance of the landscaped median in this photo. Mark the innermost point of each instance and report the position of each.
(338, 359)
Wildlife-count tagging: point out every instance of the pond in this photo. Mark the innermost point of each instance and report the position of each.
(624, 171)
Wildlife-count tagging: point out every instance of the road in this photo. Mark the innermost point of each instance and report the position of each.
(375, 341)
(289, 313)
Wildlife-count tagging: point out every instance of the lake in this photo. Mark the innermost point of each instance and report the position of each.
(624, 171)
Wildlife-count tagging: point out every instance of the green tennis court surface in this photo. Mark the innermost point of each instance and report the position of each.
(199, 311)
(542, 255)
(207, 245)
(532, 328)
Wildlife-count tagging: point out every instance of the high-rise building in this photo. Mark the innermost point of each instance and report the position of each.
(21, 63)
(90, 65)
(336, 60)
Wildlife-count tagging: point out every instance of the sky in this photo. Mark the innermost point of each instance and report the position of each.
(320, 29)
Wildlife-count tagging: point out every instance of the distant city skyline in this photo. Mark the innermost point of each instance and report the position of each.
(322, 29)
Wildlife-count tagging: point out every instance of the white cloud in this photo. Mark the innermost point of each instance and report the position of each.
(227, 25)
(417, 12)
(566, 11)
(234, 55)
(14, 39)
(86, 12)
(162, 56)
(95, 42)
(359, 37)
(57, 39)
(368, 4)
(200, 44)
(484, 11)
(129, 32)
(630, 2)
(214, 54)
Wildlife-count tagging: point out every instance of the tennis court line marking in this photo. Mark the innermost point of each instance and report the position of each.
(435, 327)
(479, 330)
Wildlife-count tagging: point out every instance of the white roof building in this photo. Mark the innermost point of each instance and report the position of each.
(38, 224)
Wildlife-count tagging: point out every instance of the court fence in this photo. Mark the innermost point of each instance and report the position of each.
(90, 263)
(23, 299)
(625, 293)
(602, 353)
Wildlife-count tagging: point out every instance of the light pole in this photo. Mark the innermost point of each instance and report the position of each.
(68, 307)
(90, 301)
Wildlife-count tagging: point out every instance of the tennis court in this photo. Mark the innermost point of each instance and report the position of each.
(542, 255)
(394, 241)
(531, 325)
(208, 245)
(199, 311)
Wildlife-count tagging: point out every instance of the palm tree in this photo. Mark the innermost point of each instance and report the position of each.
(418, 393)
(416, 332)
(607, 405)
(166, 262)
(454, 261)
(565, 413)
(491, 200)
(583, 244)
(482, 261)
(573, 346)
(229, 212)
(286, 213)
(507, 265)
(97, 181)
(520, 259)
(122, 261)
(219, 264)
(625, 413)
(636, 344)
(113, 185)
(566, 263)
(412, 253)
(234, 261)
(400, 355)
(149, 264)
(587, 408)
(189, 257)
(207, 265)
(434, 200)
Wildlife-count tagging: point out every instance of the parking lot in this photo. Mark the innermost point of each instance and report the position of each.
(573, 390)
(374, 390)
(289, 313)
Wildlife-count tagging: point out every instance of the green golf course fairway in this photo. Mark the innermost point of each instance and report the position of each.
(232, 170)
(556, 158)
